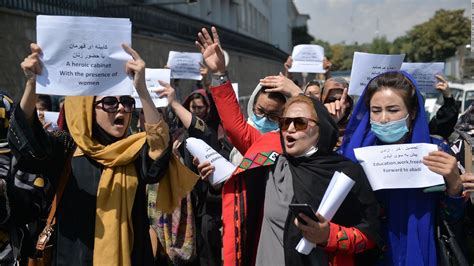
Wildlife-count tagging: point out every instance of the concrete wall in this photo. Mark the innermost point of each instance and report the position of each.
(17, 31)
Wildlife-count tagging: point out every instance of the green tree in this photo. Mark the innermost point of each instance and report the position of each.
(438, 38)
(380, 45)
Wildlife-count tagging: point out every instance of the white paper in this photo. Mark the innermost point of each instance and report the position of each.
(83, 56)
(51, 117)
(424, 74)
(307, 58)
(201, 150)
(398, 166)
(335, 194)
(185, 65)
(366, 66)
(235, 86)
(152, 75)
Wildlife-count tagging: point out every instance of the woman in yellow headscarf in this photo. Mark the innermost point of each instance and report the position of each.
(102, 215)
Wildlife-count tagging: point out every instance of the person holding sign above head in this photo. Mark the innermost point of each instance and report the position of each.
(266, 182)
(390, 111)
(101, 218)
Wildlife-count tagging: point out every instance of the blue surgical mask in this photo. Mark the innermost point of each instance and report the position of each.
(390, 132)
(263, 124)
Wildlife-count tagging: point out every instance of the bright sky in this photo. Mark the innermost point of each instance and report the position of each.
(356, 20)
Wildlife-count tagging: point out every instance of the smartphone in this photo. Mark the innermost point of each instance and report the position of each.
(306, 209)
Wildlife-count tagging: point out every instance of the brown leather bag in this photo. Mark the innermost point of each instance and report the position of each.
(44, 249)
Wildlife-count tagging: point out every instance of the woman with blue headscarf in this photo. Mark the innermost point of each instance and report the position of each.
(390, 111)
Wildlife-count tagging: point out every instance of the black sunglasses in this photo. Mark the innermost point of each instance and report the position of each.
(300, 123)
(110, 104)
(262, 113)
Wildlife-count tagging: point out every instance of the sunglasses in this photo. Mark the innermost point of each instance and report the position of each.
(270, 115)
(110, 104)
(300, 123)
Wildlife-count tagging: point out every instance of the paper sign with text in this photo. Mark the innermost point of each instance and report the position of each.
(424, 74)
(185, 65)
(201, 150)
(83, 55)
(307, 58)
(366, 66)
(398, 166)
(51, 118)
(152, 75)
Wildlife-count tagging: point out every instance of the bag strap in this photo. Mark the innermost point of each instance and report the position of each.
(45, 235)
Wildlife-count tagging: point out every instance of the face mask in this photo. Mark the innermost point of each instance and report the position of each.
(390, 132)
(263, 124)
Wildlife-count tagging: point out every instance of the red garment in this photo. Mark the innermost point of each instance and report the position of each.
(260, 151)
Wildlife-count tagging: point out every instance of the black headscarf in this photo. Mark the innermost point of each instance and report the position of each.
(311, 176)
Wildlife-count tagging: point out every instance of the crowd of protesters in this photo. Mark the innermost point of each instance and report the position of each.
(105, 191)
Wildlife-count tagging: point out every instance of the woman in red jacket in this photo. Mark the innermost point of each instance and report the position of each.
(258, 227)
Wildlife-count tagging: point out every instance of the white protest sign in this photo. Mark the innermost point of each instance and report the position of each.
(235, 86)
(83, 55)
(50, 117)
(424, 74)
(307, 58)
(335, 194)
(366, 66)
(152, 75)
(201, 150)
(398, 166)
(185, 65)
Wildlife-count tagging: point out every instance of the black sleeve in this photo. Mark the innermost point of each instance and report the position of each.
(38, 151)
(214, 119)
(445, 119)
(152, 171)
(200, 130)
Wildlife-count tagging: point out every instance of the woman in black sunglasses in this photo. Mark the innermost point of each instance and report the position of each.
(300, 175)
(102, 214)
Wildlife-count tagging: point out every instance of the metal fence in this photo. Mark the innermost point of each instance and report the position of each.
(148, 20)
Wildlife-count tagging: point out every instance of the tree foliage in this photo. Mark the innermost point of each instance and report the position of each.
(434, 40)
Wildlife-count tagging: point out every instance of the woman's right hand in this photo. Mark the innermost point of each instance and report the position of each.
(205, 169)
(31, 65)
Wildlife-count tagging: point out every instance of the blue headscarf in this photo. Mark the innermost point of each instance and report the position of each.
(409, 214)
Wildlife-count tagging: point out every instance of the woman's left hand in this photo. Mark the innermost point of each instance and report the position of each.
(446, 165)
(136, 68)
(315, 232)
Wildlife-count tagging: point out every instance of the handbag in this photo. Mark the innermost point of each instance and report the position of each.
(44, 249)
(449, 251)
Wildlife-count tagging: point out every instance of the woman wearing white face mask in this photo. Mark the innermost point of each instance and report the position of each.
(390, 111)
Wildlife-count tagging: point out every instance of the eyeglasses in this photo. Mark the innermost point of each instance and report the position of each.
(110, 104)
(300, 123)
(260, 112)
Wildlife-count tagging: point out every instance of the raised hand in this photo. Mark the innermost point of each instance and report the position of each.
(166, 91)
(442, 85)
(31, 65)
(337, 109)
(281, 84)
(135, 67)
(211, 50)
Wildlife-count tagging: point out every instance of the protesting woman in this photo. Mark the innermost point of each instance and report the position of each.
(102, 216)
(390, 111)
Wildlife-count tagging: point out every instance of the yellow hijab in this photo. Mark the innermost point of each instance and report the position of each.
(118, 183)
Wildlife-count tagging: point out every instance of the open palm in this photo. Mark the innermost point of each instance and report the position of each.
(211, 51)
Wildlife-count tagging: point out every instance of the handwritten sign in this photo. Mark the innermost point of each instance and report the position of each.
(201, 150)
(185, 65)
(152, 75)
(83, 55)
(366, 66)
(424, 74)
(398, 166)
(335, 194)
(307, 58)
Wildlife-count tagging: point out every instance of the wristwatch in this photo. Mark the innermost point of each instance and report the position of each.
(219, 79)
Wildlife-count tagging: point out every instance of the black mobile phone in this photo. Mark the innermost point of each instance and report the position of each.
(306, 209)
